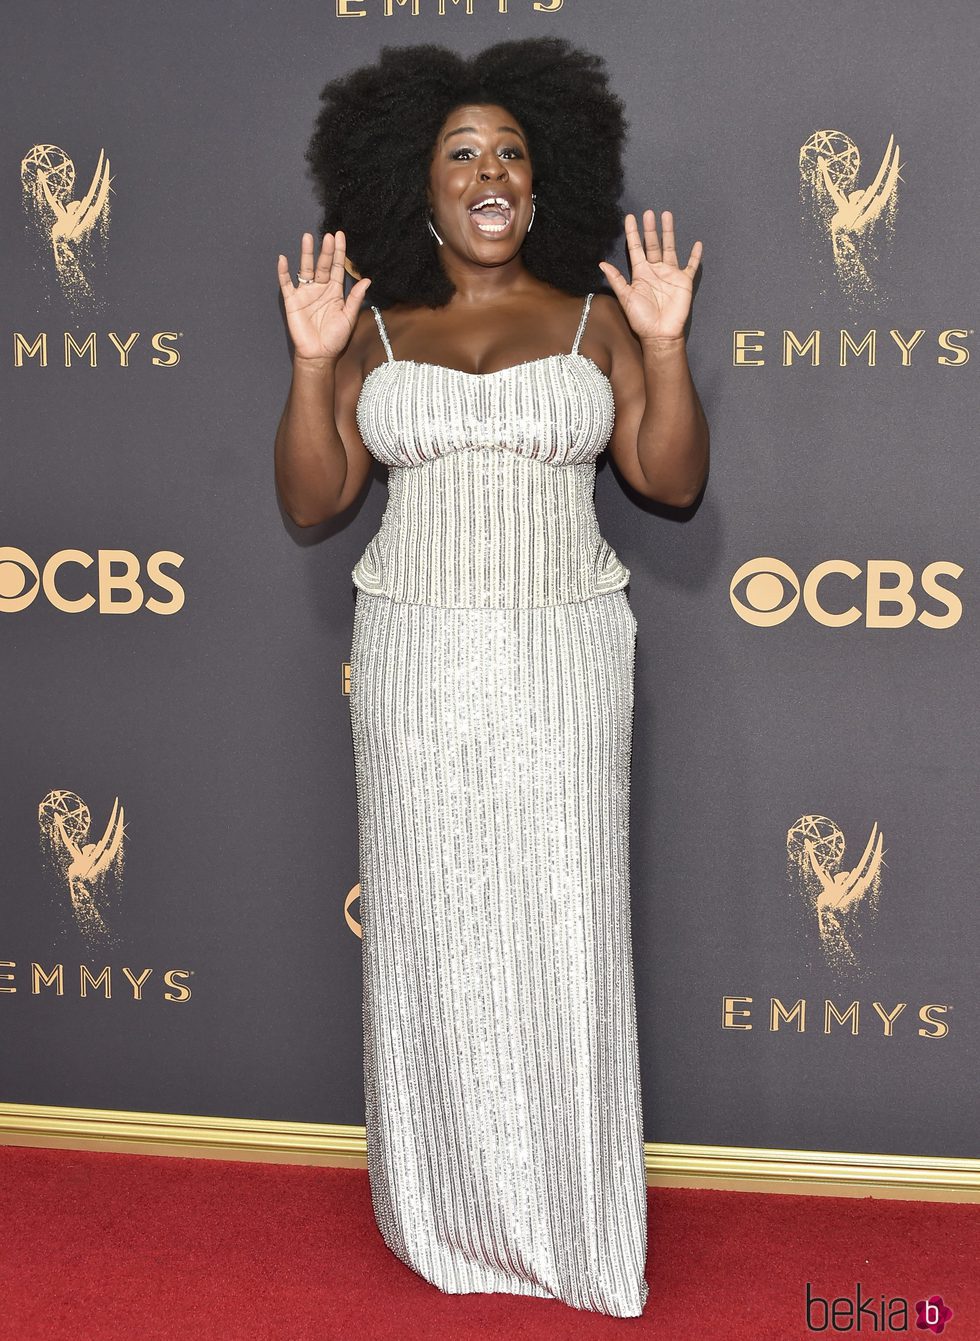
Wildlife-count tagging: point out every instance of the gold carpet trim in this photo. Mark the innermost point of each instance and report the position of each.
(729, 1168)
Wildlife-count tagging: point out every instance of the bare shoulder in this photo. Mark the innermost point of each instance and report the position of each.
(608, 316)
(365, 329)
(365, 344)
(609, 329)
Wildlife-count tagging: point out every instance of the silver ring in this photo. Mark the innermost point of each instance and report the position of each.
(304, 281)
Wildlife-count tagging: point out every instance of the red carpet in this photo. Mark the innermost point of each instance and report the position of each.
(134, 1248)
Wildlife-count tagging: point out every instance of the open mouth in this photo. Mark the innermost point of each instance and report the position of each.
(493, 215)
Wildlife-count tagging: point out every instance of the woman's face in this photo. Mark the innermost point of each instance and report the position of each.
(481, 152)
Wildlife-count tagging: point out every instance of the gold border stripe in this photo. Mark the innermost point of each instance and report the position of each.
(734, 1168)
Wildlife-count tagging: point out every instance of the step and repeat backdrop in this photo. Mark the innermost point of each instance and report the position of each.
(178, 837)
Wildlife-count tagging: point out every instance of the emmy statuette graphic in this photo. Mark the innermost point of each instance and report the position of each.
(64, 224)
(84, 867)
(851, 218)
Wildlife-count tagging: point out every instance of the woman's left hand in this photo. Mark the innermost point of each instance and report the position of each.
(658, 300)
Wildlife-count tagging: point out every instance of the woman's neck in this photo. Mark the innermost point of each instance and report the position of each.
(486, 285)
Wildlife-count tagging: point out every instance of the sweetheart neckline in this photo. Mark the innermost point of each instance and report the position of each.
(495, 372)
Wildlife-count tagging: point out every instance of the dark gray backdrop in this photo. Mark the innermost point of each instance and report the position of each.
(223, 729)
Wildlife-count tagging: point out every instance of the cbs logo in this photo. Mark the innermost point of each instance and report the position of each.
(116, 592)
(771, 591)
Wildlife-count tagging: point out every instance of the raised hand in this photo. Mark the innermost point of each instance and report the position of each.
(658, 300)
(321, 321)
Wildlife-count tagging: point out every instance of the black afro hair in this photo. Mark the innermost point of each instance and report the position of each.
(375, 131)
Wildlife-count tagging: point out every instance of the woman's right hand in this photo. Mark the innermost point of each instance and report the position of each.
(321, 321)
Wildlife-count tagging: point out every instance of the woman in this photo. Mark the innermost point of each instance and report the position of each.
(493, 644)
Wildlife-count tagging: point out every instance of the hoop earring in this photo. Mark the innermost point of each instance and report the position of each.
(433, 231)
(533, 210)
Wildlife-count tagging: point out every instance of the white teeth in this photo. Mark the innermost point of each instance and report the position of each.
(488, 200)
(491, 200)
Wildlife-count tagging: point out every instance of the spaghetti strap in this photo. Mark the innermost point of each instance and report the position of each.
(581, 325)
(384, 334)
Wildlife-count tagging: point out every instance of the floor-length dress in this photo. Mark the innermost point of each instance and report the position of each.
(491, 699)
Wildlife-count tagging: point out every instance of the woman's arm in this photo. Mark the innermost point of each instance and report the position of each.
(321, 463)
(660, 441)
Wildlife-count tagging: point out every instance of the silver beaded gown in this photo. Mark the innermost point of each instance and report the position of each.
(491, 700)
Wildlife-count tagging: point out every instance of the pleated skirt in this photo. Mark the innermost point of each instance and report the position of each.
(502, 1087)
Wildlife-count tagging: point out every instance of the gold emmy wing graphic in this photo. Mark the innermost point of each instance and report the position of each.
(839, 898)
(84, 867)
(47, 176)
(851, 218)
